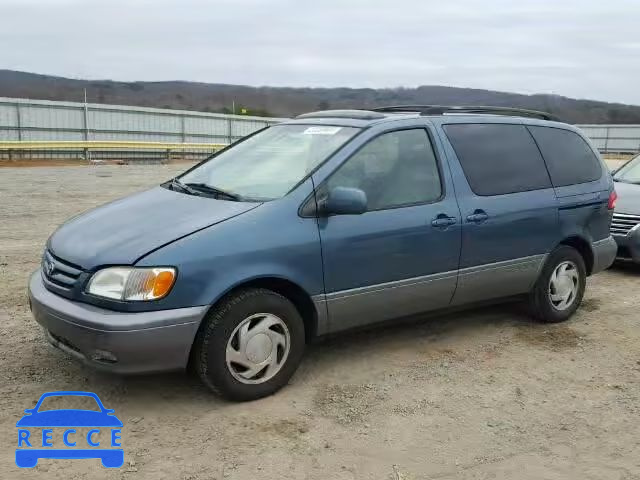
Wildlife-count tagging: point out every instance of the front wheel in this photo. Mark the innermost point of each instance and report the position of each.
(558, 292)
(250, 345)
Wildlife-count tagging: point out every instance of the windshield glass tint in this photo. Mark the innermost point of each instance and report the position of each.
(269, 164)
(630, 172)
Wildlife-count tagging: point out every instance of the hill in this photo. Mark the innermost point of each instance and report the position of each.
(290, 101)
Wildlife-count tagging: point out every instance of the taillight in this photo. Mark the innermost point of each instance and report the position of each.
(613, 196)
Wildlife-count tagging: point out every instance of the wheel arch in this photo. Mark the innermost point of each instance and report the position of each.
(285, 287)
(583, 246)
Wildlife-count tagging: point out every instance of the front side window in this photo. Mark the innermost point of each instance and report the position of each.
(569, 158)
(630, 172)
(498, 158)
(394, 169)
(269, 164)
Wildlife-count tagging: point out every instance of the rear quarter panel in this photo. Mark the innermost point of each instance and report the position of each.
(583, 208)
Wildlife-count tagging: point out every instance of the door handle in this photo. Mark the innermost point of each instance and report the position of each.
(478, 216)
(443, 221)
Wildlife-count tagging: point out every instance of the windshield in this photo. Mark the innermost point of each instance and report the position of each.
(267, 165)
(62, 402)
(630, 172)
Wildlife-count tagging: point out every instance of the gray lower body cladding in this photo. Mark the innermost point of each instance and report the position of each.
(377, 303)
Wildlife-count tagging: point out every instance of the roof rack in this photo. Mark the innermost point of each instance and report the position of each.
(357, 114)
(442, 109)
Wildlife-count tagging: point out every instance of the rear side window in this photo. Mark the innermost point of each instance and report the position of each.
(498, 158)
(569, 158)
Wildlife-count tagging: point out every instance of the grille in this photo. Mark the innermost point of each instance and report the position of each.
(59, 272)
(622, 223)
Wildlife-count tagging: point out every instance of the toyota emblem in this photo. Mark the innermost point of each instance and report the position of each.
(48, 267)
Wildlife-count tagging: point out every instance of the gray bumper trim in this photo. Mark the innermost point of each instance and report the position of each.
(604, 254)
(139, 342)
(630, 241)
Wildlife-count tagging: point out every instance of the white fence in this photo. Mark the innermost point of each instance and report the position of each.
(614, 138)
(33, 120)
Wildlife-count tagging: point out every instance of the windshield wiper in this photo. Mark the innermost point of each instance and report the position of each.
(202, 188)
(215, 191)
(176, 185)
(625, 181)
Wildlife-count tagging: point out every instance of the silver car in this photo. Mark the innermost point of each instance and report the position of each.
(625, 227)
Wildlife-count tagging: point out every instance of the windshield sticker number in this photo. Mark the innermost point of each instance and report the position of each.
(322, 130)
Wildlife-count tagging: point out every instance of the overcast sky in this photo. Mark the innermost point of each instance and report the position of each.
(577, 48)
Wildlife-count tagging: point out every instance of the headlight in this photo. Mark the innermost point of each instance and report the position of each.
(132, 284)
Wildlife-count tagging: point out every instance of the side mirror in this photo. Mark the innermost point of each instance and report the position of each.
(344, 201)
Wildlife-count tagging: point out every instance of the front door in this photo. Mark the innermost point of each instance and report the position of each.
(401, 256)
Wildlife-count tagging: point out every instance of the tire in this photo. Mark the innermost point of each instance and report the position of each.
(221, 338)
(543, 301)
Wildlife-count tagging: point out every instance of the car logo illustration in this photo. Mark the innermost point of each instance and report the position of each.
(28, 451)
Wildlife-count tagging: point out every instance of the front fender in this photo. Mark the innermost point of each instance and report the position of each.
(270, 241)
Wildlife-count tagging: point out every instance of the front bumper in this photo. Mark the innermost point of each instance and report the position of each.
(115, 341)
(629, 245)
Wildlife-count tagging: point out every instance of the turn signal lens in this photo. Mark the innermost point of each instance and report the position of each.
(612, 200)
(132, 284)
(148, 283)
(163, 283)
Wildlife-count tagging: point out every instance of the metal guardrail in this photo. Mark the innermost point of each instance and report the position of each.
(101, 145)
(105, 150)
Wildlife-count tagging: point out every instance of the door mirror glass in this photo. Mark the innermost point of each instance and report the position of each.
(344, 201)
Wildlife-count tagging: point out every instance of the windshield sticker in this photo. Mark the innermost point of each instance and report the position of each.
(322, 130)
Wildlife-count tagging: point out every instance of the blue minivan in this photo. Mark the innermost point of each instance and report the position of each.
(326, 222)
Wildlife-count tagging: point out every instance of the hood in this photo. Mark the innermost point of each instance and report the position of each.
(628, 198)
(121, 232)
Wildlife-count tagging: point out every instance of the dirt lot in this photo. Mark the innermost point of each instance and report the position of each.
(479, 395)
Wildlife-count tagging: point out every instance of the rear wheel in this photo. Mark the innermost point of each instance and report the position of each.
(250, 345)
(560, 287)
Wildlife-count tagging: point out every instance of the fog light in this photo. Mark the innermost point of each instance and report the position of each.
(103, 356)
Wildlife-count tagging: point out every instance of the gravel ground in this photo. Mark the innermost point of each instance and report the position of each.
(478, 395)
